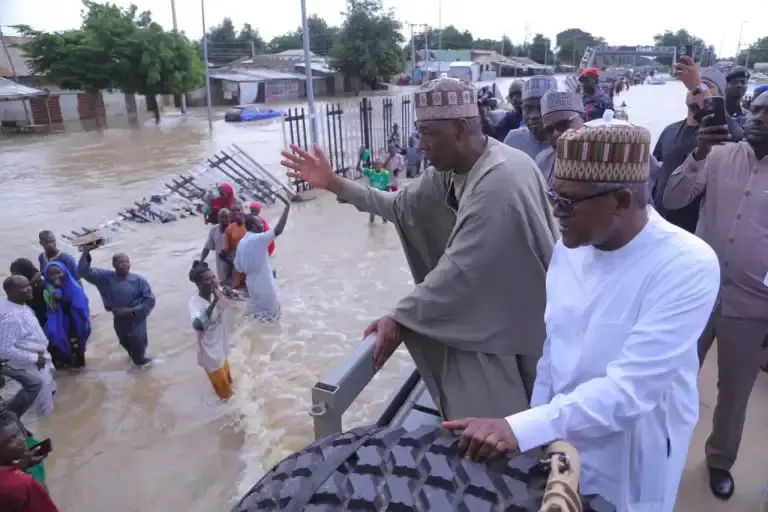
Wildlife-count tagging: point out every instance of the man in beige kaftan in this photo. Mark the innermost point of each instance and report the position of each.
(478, 235)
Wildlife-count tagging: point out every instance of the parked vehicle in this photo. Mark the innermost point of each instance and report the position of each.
(242, 113)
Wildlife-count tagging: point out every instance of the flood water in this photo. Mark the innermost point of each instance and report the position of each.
(130, 440)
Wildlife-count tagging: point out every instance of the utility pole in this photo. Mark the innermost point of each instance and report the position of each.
(426, 52)
(207, 71)
(253, 49)
(413, 53)
(738, 46)
(440, 25)
(413, 47)
(308, 70)
(182, 96)
(525, 41)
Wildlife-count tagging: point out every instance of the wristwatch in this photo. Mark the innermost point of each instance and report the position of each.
(699, 89)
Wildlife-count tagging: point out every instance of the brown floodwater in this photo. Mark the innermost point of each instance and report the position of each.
(129, 440)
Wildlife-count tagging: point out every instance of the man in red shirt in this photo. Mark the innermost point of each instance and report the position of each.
(18, 490)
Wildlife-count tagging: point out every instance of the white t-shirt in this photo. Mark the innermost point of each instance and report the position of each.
(213, 343)
(252, 259)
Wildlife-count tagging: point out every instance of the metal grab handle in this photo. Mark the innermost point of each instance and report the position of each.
(333, 395)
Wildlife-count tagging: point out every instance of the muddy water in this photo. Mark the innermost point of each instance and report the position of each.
(157, 439)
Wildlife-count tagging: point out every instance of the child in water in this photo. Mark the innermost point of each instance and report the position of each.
(380, 180)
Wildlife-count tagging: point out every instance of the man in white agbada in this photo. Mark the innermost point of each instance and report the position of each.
(24, 346)
(628, 295)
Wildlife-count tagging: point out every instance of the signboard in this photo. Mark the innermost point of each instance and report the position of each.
(635, 50)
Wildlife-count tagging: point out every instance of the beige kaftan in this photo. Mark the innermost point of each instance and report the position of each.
(474, 324)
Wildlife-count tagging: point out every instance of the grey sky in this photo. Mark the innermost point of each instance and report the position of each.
(488, 18)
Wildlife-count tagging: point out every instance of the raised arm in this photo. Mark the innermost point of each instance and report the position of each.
(96, 276)
(280, 225)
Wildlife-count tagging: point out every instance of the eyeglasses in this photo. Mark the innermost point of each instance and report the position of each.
(567, 206)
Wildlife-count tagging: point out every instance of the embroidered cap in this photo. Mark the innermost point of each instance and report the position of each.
(604, 151)
(561, 101)
(538, 85)
(446, 98)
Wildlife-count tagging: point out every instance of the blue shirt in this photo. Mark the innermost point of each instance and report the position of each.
(132, 291)
(65, 259)
(523, 139)
(596, 105)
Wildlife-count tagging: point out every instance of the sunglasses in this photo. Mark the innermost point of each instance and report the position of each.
(567, 206)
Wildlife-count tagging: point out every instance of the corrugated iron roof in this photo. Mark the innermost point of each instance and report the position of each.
(268, 74)
(10, 91)
(316, 66)
(17, 57)
(236, 77)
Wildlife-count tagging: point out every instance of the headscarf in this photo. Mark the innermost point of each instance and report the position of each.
(59, 325)
(224, 201)
(255, 206)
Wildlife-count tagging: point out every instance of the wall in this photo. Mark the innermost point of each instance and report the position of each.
(281, 90)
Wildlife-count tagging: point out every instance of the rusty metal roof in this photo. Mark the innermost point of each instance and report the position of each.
(17, 61)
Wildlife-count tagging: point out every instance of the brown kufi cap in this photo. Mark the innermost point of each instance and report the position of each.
(446, 98)
(604, 151)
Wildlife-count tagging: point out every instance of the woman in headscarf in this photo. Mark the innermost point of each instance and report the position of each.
(25, 267)
(226, 200)
(69, 319)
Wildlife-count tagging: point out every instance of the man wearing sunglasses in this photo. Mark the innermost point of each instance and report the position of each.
(628, 295)
(560, 111)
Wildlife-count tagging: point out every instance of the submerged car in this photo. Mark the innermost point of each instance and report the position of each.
(250, 113)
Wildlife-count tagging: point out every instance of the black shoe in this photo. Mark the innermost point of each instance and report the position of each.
(721, 483)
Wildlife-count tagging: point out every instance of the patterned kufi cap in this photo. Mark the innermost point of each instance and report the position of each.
(446, 98)
(714, 77)
(538, 85)
(604, 151)
(561, 101)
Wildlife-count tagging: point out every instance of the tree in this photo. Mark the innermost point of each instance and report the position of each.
(756, 52)
(115, 48)
(539, 49)
(452, 39)
(225, 44)
(321, 37)
(369, 42)
(503, 46)
(572, 43)
(679, 38)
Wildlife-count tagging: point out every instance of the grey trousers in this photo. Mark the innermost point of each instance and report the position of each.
(31, 384)
(739, 355)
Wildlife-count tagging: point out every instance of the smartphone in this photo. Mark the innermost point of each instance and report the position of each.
(42, 448)
(685, 49)
(717, 108)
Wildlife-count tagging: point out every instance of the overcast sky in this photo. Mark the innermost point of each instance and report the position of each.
(487, 18)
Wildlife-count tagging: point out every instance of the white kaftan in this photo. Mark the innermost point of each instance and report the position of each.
(618, 377)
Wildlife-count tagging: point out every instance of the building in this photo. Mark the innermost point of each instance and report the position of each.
(59, 105)
(244, 85)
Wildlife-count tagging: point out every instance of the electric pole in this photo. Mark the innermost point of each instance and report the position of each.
(413, 47)
(738, 46)
(207, 70)
(182, 96)
(308, 69)
(440, 25)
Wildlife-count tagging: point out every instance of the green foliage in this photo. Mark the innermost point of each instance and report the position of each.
(539, 50)
(501, 46)
(757, 52)
(225, 44)
(682, 37)
(321, 37)
(115, 48)
(571, 44)
(369, 42)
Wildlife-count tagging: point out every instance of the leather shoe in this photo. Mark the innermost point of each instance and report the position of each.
(721, 483)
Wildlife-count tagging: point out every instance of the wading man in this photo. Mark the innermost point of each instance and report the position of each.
(596, 102)
(734, 221)
(628, 295)
(128, 297)
(531, 139)
(478, 235)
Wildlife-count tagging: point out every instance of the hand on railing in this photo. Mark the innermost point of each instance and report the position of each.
(387, 339)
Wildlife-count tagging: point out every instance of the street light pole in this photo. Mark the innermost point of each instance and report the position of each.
(182, 96)
(738, 46)
(207, 71)
(308, 70)
(440, 25)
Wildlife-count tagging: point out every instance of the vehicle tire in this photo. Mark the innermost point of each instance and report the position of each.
(392, 469)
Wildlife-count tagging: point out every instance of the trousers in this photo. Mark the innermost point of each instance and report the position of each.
(31, 385)
(739, 350)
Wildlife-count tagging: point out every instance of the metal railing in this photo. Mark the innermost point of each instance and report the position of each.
(333, 395)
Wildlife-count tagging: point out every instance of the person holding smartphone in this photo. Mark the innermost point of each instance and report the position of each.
(734, 222)
(18, 489)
